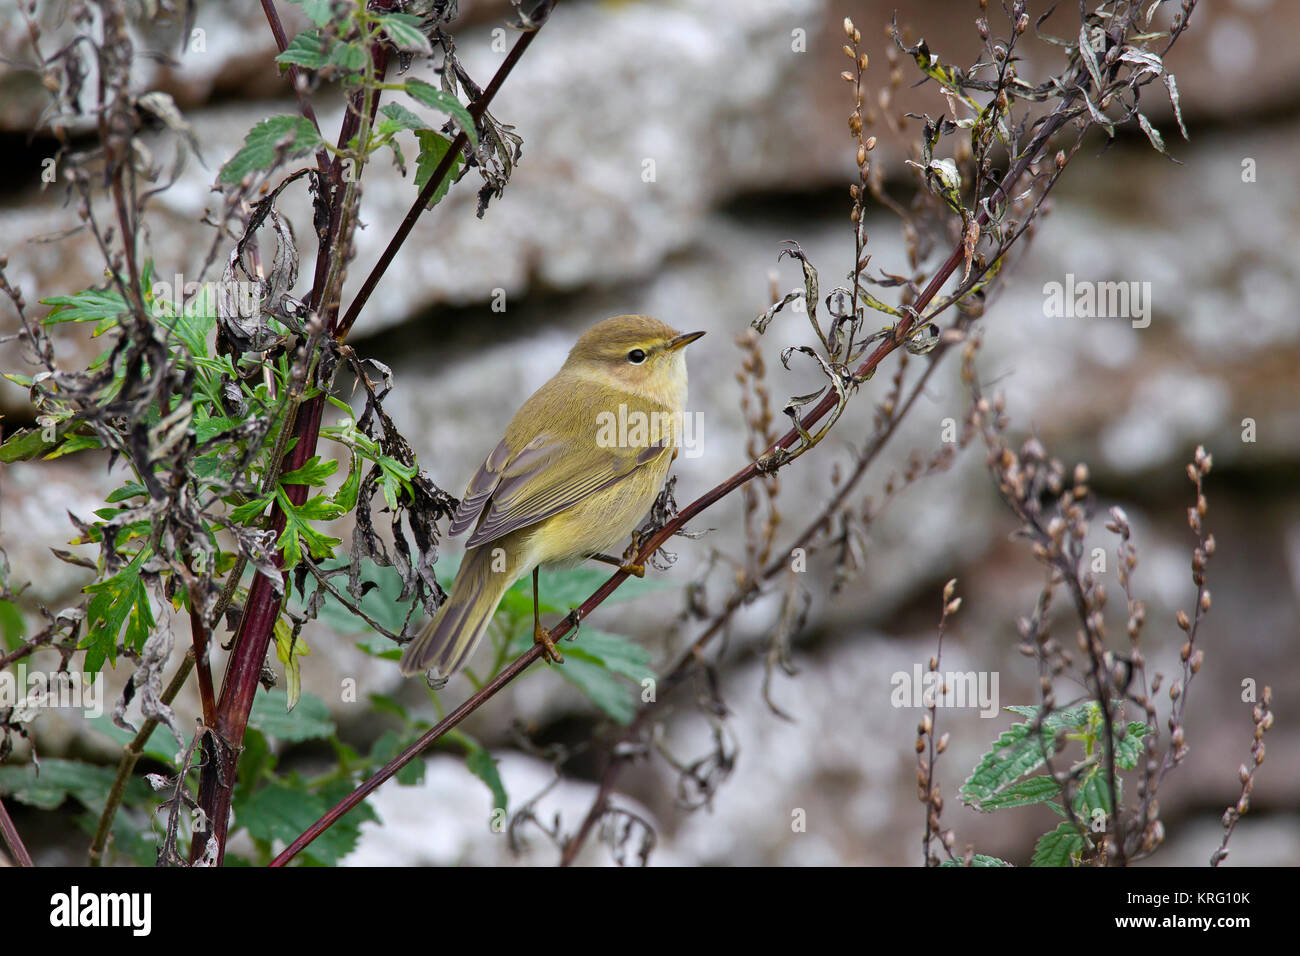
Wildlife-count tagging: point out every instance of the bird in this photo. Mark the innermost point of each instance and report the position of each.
(581, 463)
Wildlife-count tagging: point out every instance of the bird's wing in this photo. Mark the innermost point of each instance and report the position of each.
(545, 477)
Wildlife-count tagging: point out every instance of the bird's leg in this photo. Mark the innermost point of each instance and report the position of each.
(636, 570)
(540, 634)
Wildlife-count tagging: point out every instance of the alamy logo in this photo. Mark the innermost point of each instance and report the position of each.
(242, 297)
(927, 688)
(1084, 299)
(73, 909)
(632, 428)
(27, 692)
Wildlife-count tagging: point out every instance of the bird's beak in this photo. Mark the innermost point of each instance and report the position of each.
(681, 341)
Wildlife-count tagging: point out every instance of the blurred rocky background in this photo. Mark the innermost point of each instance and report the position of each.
(738, 110)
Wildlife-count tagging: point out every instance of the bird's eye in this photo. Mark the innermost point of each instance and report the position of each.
(636, 356)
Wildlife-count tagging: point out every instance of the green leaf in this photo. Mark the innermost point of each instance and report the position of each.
(445, 103)
(310, 720)
(26, 444)
(606, 690)
(617, 653)
(395, 479)
(270, 141)
(73, 444)
(433, 146)
(1058, 847)
(12, 625)
(388, 746)
(256, 762)
(482, 765)
(318, 11)
(298, 532)
(1129, 750)
(404, 30)
(398, 117)
(346, 496)
(1015, 753)
(278, 811)
(979, 859)
(561, 591)
(90, 305)
(348, 57)
(314, 472)
(132, 489)
(289, 649)
(340, 839)
(383, 704)
(114, 600)
(47, 787)
(249, 510)
(1022, 793)
(1093, 793)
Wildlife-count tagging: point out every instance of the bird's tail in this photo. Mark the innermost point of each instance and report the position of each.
(447, 641)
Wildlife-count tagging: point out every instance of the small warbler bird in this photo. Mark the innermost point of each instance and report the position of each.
(564, 485)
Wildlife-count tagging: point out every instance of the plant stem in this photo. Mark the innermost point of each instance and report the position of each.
(476, 110)
(130, 755)
(12, 840)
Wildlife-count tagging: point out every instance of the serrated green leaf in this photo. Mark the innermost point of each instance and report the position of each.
(348, 57)
(278, 811)
(1022, 793)
(318, 11)
(275, 139)
(114, 600)
(1058, 847)
(404, 30)
(444, 102)
(56, 779)
(307, 49)
(398, 117)
(619, 654)
(433, 147)
(249, 510)
(387, 747)
(1015, 753)
(314, 472)
(606, 690)
(979, 859)
(1129, 749)
(310, 720)
(1093, 794)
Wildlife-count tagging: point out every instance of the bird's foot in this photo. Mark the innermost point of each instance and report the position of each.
(543, 637)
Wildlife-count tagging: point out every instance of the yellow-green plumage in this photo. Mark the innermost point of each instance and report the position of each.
(555, 489)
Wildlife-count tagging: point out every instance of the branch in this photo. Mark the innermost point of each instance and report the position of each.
(12, 840)
(476, 110)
